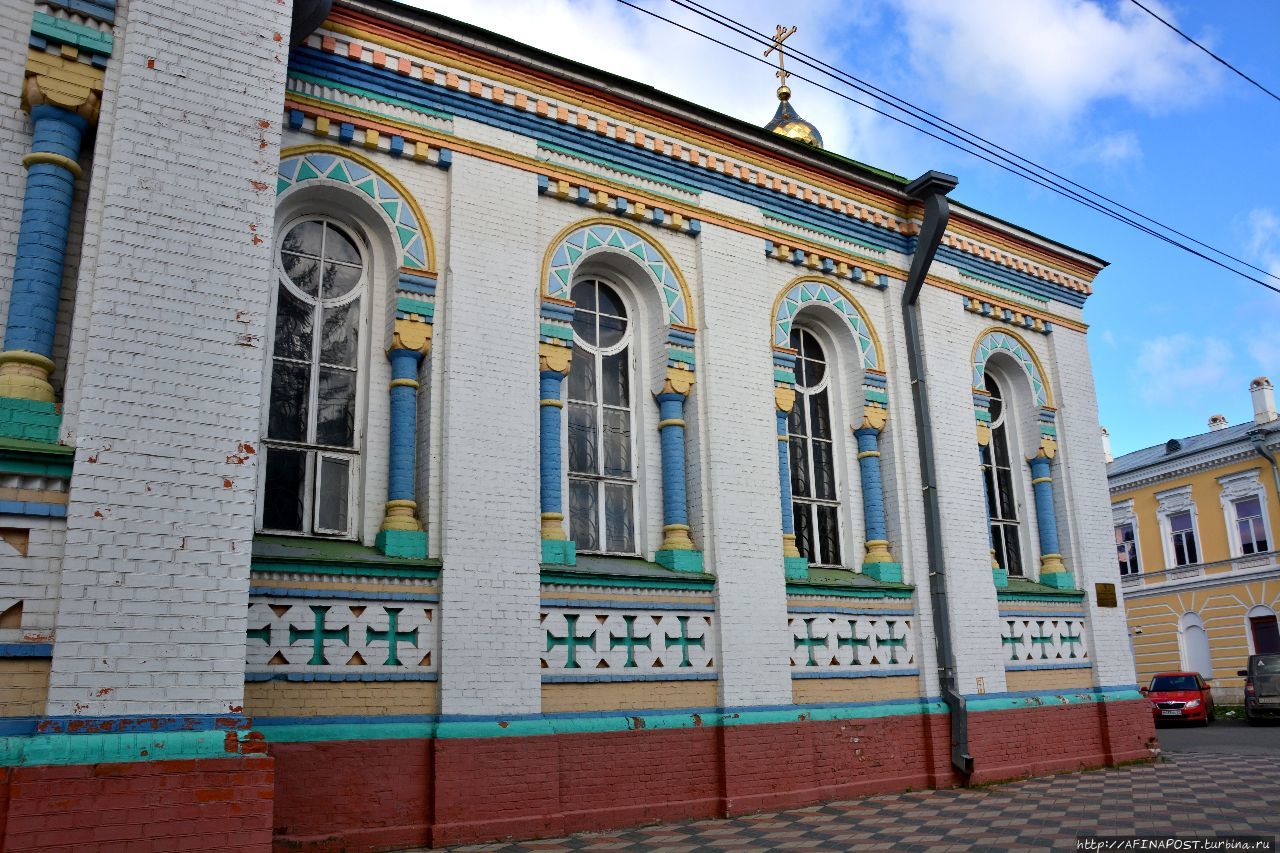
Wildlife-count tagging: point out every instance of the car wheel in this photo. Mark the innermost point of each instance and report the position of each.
(1251, 719)
(1211, 717)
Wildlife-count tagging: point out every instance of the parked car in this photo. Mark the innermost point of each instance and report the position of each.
(1261, 687)
(1180, 696)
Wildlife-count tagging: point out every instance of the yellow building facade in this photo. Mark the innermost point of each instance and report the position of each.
(1195, 525)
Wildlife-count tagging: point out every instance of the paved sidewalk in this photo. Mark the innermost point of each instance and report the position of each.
(1188, 794)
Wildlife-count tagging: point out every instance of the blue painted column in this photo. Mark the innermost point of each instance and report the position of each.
(1052, 570)
(677, 551)
(556, 547)
(52, 170)
(794, 565)
(401, 534)
(879, 562)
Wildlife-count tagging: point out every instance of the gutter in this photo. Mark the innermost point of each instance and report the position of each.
(931, 188)
(1258, 438)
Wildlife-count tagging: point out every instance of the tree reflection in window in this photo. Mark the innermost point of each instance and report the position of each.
(811, 443)
(311, 420)
(601, 452)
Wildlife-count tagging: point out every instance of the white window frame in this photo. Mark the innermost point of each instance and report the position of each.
(363, 290)
(831, 385)
(1122, 512)
(1241, 486)
(632, 339)
(1170, 502)
(1256, 611)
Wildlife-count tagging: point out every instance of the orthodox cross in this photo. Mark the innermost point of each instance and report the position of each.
(571, 641)
(853, 641)
(810, 641)
(630, 641)
(393, 636)
(782, 35)
(684, 641)
(317, 635)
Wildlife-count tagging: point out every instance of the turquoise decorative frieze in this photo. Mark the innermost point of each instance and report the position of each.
(832, 642)
(807, 292)
(1043, 641)
(332, 167)
(823, 264)
(993, 342)
(302, 635)
(1012, 316)
(621, 205)
(619, 641)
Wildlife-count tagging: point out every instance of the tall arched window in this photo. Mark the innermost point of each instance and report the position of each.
(1196, 655)
(1002, 503)
(815, 505)
(602, 479)
(312, 429)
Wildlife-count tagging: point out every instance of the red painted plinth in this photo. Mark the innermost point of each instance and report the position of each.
(144, 807)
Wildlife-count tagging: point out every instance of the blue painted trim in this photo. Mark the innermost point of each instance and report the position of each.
(550, 463)
(139, 723)
(1043, 614)
(850, 611)
(26, 650)
(674, 502)
(402, 455)
(589, 679)
(342, 594)
(31, 508)
(626, 605)
(850, 673)
(872, 491)
(1026, 667)
(18, 726)
(341, 676)
(784, 476)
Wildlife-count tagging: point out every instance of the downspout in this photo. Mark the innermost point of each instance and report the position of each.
(1258, 438)
(931, 188)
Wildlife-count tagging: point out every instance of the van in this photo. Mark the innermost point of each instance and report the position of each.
(1261, 687)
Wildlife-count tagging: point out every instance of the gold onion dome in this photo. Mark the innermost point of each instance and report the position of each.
(787, 122)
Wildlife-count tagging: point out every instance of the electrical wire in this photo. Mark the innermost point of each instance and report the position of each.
(1001, 161)
(1235, 70)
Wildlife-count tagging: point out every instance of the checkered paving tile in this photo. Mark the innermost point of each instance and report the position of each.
(1189, 793)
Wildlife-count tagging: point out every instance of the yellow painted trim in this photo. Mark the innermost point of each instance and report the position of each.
(867, 454)
(403, 383)
(340, 151)
(1044, 380)
(839, 288)
(52, 159)
(615, 223)
(547, 401)
(671, 422)
(1037, 480)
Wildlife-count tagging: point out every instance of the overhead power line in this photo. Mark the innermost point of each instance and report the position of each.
(1234, 70)
(957, 137)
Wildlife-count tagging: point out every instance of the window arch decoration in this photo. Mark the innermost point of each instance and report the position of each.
(798, 294)
(570, 248)
(410, 314)
(997, 340)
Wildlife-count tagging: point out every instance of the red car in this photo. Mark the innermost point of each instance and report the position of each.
(1180, 696)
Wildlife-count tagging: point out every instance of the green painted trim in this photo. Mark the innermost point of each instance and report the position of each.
(783, 375)
(561, 552)
(876, 396)
(842, 591)
(558, 575)
(680, 355)
(58, 452)
(343, 568)
(365, 93)
(1001, 285)
(112, 748)
(1048, 699)
(71, 33)
(609, 164)
(551, 330)
(808, 226)
(415, 305)
(11, 463)
(315, 732)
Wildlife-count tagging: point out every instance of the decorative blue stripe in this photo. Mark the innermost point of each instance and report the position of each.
(589, 679)
(1044, 614)
(850, 611)
(852, 673)
(341, 676)
(1023, 667)
(625, 605)
(1014, 278)
(26, 650)
(342, 594)
(671, 438)
(31, 508)
(138, 723)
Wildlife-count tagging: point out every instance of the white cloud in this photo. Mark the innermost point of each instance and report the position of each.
(1180, 370)
(1112, 150)
(1262, 243)
(1044, 63)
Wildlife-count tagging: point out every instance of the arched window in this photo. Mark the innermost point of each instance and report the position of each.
(1264, 635)
(1196, 656)
(313, 429)
(602, 467)
(815, 505)
(997, 471)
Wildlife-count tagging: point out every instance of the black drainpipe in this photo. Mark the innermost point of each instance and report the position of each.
(932, 188)
(1258, 438)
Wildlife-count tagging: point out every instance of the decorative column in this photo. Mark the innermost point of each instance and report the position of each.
(62, 98)
(1052, 570)
(553, 367)
(677, 551)
(878, 562)
(402, 534)
(794, 566)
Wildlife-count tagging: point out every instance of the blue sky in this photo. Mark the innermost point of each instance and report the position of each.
(1094, 89)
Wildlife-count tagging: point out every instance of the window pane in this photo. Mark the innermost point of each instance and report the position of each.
(799, 468)
(584, 295)
(582, 438)
(582, 376)
(611, 330)
(1245, 529)
(617, 443)
(1005, 506)
(303, 272)
(615, 379)
(828, 535)
(290, 390)
(820, 415)
(335, 488)
(1180, 521)
(336, 408)
(620, 533)
(796, 419)
(1192, 555)
(1247, 508)
(811, 371)
(304, 237)
(339, 247)
(293, 326)
(989, 488)
(584, 326)
(804, 529)
(282, 502)
(1012, 549)
(1000, 444)
(1259, 535)
(338, 338)
(609, 302)
(339, 279)
(824, 477)
(584, 515)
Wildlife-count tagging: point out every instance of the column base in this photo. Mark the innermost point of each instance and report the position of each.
(886, 572)
(29, 420)
(679, 560)
(559, 552)
(795, 568)
(1058, 580)
(404, 544)
(1000, 577)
